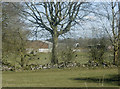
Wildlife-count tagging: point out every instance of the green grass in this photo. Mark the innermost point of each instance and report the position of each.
(44, 58)
(75, 77)
(41, 58)
(82, 57)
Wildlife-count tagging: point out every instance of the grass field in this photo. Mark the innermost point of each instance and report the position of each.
(44, 58)
(75, 77)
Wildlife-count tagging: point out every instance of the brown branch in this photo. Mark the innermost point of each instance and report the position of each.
(39, 20)
(71, 17)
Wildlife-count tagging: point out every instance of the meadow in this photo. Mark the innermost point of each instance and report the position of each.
(66, 77)
(44, 58)
(74, 77)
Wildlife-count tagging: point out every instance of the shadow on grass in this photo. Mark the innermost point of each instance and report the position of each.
(111, 79)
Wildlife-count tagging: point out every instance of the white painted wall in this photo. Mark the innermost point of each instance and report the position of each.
(45, 50)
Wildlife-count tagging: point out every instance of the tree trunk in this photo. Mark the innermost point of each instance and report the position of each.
(119, 38)
(54, 59)
(22, 59)
(115, 56)
(119, 44)
(22, 62)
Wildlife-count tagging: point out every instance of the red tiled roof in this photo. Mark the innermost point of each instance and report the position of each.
(37, 44)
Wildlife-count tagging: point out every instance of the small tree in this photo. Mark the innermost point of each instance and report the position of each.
(14, 32)
(67, 54)
(110, 13)
(97, 50)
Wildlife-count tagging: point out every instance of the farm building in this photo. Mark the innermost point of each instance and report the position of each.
(39, 46)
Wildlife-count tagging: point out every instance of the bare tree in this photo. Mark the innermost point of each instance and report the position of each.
(115, 34)
(110, 14)
(14, 32)
(55, 17)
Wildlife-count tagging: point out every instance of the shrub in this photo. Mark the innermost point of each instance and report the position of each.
(66, 55)
(97, 51)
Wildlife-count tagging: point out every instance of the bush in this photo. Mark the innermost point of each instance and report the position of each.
(97, 51)
(66, 54)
